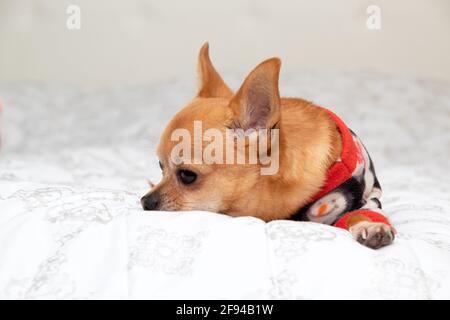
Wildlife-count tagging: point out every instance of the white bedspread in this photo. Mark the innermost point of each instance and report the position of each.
(74, 166)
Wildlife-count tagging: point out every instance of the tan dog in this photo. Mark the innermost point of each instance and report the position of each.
(309, 143)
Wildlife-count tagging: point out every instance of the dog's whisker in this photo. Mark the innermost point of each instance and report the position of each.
(150, 183)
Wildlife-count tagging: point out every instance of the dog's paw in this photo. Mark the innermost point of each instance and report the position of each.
(373, 234)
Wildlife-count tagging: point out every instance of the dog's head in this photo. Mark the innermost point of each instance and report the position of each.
(206, 150)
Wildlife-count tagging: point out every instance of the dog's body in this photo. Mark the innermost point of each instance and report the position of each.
(310, 143)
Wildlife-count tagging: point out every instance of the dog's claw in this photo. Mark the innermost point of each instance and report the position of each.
(373, 234)
(364, 234)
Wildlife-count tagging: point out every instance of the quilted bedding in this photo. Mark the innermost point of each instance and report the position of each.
(75, 162)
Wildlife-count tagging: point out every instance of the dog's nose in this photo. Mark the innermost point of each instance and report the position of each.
(150, 201)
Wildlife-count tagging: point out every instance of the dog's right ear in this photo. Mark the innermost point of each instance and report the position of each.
(211, 84)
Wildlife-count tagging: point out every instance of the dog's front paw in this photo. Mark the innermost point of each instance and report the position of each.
(373, 234)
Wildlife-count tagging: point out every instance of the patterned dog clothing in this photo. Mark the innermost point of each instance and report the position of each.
(351, 192)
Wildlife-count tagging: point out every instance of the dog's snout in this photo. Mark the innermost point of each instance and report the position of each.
(150, 201)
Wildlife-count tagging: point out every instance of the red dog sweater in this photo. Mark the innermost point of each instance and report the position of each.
(351, 192)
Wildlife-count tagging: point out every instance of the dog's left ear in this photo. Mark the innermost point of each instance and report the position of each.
(211, 84)
(257, 103)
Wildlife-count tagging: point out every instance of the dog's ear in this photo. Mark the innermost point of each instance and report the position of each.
(211, 84)
(257, 103)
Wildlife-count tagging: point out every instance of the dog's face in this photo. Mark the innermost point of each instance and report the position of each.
(191, 181)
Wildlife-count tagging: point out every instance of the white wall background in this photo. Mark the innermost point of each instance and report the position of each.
(132, 42)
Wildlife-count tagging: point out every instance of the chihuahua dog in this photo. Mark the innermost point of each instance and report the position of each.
(317, 169)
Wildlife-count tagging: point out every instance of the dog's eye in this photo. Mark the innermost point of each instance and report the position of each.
(187, 176)
(161, 166)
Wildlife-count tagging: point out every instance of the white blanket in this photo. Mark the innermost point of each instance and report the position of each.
(74, 166)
